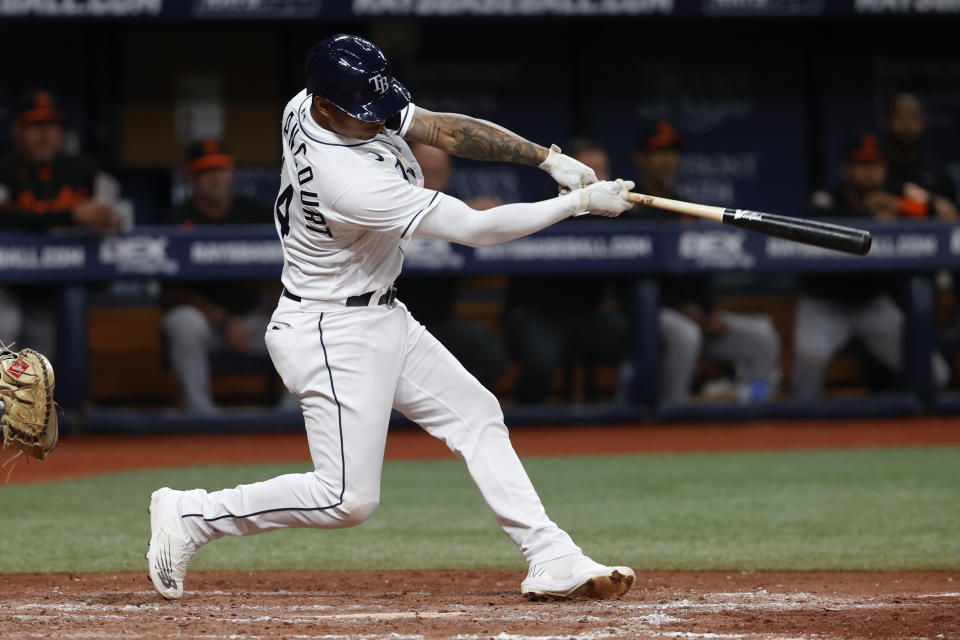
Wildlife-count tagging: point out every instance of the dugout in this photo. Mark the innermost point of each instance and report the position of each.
(767, 98)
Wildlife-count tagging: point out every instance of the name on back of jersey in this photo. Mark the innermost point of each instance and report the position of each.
(309, 204)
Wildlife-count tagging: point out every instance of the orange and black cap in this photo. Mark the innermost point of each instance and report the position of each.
(208, 153)
(658, 136)
(865, 150)
(37, 106)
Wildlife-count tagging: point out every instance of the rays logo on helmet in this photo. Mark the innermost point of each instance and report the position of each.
(380, 84)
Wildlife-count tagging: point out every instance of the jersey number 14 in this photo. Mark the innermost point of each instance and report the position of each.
(313, 219)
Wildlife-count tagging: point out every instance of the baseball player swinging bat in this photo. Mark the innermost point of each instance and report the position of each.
(813, 232)
(350, 198)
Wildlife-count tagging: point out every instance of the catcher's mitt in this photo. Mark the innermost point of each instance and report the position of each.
(29, 420)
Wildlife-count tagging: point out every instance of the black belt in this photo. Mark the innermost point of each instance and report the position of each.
(362, 300)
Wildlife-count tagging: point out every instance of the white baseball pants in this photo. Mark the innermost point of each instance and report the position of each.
(349, 366)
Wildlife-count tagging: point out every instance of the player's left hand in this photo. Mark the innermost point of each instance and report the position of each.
(570, 174)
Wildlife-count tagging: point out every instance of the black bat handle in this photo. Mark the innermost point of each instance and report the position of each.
(814, 232)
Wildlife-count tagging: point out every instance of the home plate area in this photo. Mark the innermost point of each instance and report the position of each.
(467, 605)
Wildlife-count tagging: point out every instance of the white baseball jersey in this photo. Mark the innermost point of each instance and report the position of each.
(346, 207)
(345, 211)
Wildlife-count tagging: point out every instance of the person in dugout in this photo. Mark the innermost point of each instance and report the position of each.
(217, 316)
(691, 324)
(922, 187)
(551, 320)
(42, 188)
(834, 309)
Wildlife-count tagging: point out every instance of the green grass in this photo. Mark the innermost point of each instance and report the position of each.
(863, 509)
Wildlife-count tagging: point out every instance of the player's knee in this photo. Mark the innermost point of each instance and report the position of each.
(342, 506)
(357, 509)
(485, 422)
(184, 322)
(487, 404)
(487, 415)
(482, 429)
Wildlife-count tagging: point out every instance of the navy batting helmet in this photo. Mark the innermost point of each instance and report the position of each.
(354, 75)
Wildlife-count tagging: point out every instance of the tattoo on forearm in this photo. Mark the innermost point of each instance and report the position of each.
(478, 140)
(433, 134)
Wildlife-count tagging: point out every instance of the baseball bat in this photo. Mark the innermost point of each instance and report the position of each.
(813, 232)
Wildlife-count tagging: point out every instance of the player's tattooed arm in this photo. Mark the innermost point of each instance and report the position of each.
(473, 138)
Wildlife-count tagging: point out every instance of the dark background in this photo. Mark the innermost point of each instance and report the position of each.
(765, 105)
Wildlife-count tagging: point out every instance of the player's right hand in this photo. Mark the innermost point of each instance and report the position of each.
(607, 199)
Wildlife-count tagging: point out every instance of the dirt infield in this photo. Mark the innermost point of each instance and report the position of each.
(474, 605)
(83, 456)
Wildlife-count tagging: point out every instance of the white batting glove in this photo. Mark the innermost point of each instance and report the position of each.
(608, 199)
(569, 173)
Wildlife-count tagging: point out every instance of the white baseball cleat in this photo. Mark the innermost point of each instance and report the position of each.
(170, 549)
(584, 579)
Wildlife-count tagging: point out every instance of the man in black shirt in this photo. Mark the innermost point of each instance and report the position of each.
(656, 156)
(41, 188)
(224, 315)
(833, 308)
(925, 188)
(691, 324)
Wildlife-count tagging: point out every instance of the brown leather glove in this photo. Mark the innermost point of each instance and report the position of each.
(29, 420)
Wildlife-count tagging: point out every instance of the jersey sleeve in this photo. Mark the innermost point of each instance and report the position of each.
(400, 121)
(391, 205)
